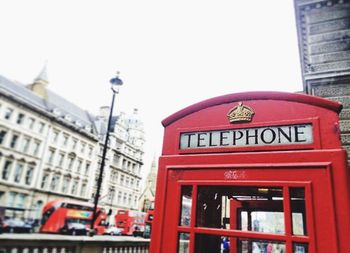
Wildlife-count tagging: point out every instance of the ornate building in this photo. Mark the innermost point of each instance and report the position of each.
(324, 39)
(50, 148)
(122, 172)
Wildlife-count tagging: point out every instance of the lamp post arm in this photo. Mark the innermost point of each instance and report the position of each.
(104, 152)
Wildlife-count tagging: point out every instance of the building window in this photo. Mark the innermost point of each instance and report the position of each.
(51, 156)
(21, 200)
(116, 158)
(127, 181)
(82, 148)
(119, 196)
(111, 194)
(36, 147)
(114, 175)
(70, 162)
(11, 199)
(20, 118)
(25, 146)
(41, 127)
(75, 187)
(135, 201)
(124, 197)
(61, 159)
(18, 173)
(74, 144)
(14, 141)
(129, 200)
(6, 170)
(2, 136)
(65, 140)
(8, 113)
(31, 122)
(83, 190)
(96, 181)
(90, 150)
(87, 168)
(54, 182)
(80, 162)
(121, 179)
(129, 166)
(29, 175)
(55, 136)
(65, 185)
(44, 181)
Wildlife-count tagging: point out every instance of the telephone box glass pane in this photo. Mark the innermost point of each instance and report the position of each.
(300, 248)
(245, 208)
(186, 206)
(209, 244)
(222, 244)
(259, 246)
(268, 222)
(184, 243)
(297, 203)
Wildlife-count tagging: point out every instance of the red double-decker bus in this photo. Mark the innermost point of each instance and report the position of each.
(70, 217)
(132, 222)
(148, 223)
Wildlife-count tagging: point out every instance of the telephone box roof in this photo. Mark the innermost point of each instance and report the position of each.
(261, 95)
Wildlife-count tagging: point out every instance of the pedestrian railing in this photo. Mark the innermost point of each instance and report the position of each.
(14, 243)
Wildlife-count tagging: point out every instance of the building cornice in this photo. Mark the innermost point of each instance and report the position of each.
(48, 115)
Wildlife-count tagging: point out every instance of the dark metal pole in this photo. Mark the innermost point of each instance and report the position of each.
(100, 177)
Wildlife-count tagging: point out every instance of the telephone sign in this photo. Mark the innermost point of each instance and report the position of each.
(259, 136)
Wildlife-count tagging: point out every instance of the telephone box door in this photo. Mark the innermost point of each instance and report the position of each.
(248, 208)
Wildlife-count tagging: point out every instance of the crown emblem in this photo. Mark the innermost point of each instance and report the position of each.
(240, 113)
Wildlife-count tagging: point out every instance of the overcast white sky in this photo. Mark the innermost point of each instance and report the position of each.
(170, 54)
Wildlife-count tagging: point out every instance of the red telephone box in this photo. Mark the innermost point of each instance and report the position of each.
(253, 172)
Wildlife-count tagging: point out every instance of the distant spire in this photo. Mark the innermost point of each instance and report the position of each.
(40, 83)
(154, 166)
(43, 75)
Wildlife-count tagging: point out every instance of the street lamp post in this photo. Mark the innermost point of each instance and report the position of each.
(116, 82)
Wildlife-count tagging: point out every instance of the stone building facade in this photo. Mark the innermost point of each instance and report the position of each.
(146, 201)
(324, 45)
(51, 148)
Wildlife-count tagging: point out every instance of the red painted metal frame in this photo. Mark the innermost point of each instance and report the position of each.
(320, 167)
(288, 238)
(248, 96)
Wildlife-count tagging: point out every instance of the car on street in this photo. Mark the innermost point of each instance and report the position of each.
(16, 226)
(75, 228)
(112, 230)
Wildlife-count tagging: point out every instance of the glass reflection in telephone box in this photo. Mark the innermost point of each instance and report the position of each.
(256, 215)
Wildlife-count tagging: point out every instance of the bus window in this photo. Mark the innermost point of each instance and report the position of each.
(46, 215)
